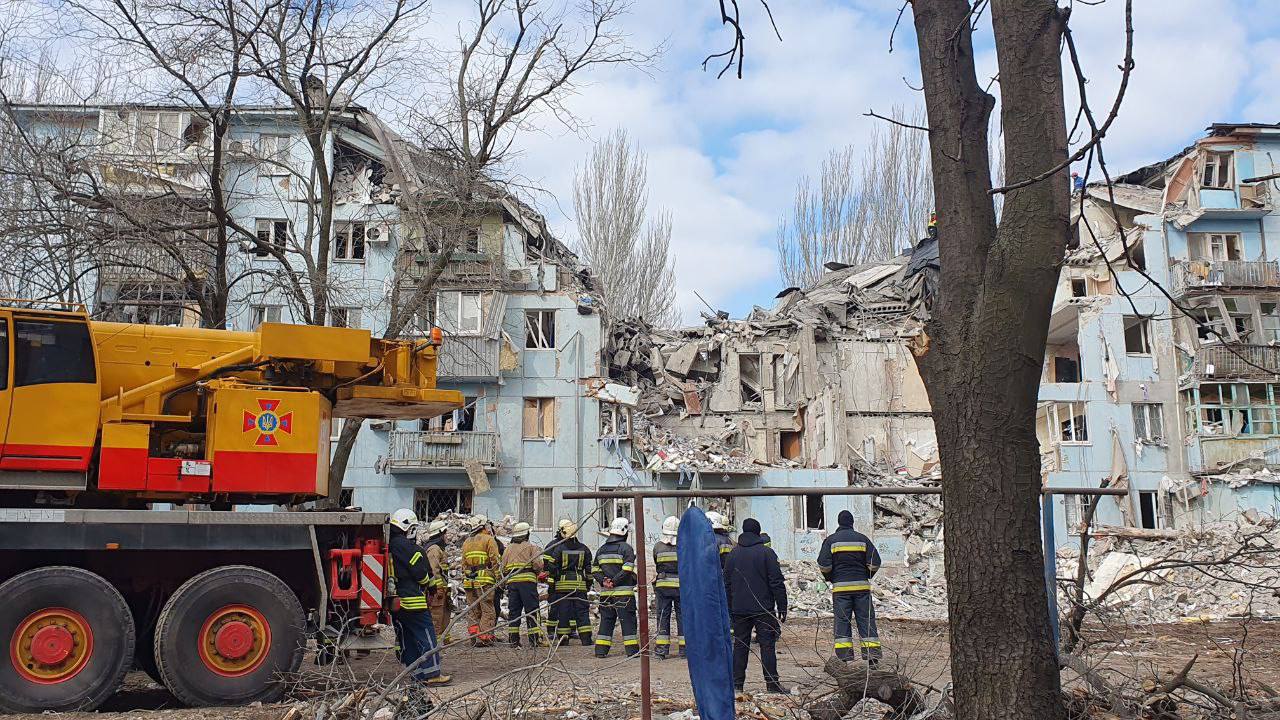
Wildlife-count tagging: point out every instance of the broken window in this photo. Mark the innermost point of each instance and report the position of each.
(749, 378)
(1076, 509)
(790, 444)
(151, 304)
(259, 314)
(1269, 313)
(460, 313)
(1137, 335)
(615, 421)
(808, 513)
(344, 317)
(1211, 326)
(536, 508)
(431, 502)
(1067, 422)
(1151, 511)
(1240, 312)
(1215, 247)
(786, 377)
(273, 154)
(271, 232)
(1217, 170)
(348, 240)
(159, 132)
(540, 329)
(1079, 287)
(471, 240)
(1066, 370)
(461, 420)
(1148, 422)
(613, 508)
(539, 418)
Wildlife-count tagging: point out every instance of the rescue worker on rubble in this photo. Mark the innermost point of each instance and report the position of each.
(567, 567)
(757, 596)
(480, 558)
(415, 634)
(615, 571)
(848, 560)
(720, 527)
(521, 564)
(666, 586)
(439, 598)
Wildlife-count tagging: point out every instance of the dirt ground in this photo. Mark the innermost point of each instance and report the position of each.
(576, 681)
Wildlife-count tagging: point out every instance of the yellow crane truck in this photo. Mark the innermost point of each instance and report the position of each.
(100, 420)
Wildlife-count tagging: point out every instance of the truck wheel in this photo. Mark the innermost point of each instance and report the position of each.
(228, 635)
(69, 638)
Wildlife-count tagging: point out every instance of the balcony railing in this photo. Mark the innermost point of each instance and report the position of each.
(1237, 361)
(465, 357)
(422, 451)
(1202, 275)
(157, 260)
(462, 268)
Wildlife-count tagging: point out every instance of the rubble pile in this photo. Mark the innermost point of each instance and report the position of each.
(667, 451)
(916, 592)
(1211, 572)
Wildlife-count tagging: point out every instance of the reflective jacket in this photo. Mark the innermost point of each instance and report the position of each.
(848, 560)
(569, 564)
(665, 563)
(616, 562)
(410, 569)
(546, 560)
(521, 562)
(726, 544)
(480, 557)
(438, 562)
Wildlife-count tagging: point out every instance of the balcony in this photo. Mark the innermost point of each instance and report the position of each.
(426, 451)
(1244, 362)
(462, 269)
(1213, 276)
(150, 261)
(468, 357)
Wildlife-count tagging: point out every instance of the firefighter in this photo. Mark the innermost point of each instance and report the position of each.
(720, 528)
(415, 635)
(615, 571)
(666, 586)
(569, 563)
(521, 564)
(757, 598)
(848, 561)
(439, 599)
(480, 560)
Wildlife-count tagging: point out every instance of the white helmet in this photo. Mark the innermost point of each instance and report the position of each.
(671, 526)
(404, 518)
(436, 528)
(619, 526)
(564, 523)
(717, 520)
(568, 529)
(478, 521)
(520, 530)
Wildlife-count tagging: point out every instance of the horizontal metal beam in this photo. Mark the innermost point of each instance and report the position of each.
(812, 491)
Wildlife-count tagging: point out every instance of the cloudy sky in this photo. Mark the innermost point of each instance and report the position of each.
(724, 155)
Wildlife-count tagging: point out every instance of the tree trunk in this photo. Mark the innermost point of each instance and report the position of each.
(338, 463)
(982, 360)
(855, 681)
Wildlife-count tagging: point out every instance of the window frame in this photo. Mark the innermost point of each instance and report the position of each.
(1143, 414)
(533, 502)
(542, 419)
(614, 416)
(1056, 426)
(344, 241)
(273, 162)
(271, 227)
(260, 313)
(348, 311)
(1221, 164)
(800, 513)
(611, 507)
(1143, 326)
(539, 329)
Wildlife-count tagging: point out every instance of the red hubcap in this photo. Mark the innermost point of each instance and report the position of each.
(234, 640)
(51, 645)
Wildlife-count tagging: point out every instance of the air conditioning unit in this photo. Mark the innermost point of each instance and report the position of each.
(238, 148)
(377, 233)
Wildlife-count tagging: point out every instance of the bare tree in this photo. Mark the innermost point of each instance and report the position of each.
(628, 251)
(859, 213)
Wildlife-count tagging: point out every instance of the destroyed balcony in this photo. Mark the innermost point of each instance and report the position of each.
(145, 261)
(463, 268)
(428, 451)
(1237, 361)
(469, 357)
(1200, 276)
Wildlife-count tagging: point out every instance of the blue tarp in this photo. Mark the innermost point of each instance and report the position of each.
(704, 615)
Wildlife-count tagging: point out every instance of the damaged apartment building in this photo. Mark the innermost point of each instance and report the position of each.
(820, 391)
(1173, 395)
(522, 330)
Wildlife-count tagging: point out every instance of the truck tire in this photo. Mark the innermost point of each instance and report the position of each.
(231, 635)
(68, 638)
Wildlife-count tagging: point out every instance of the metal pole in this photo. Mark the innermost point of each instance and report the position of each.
(1050, 565)
(815, 491)
(642, 606)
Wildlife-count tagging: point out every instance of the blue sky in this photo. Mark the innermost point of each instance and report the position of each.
(725, 155)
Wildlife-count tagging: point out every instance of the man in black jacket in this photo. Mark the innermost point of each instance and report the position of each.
(755, 588)
(848, 560)
(415, 634)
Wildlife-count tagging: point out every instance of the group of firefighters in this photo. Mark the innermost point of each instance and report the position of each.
(754, 587)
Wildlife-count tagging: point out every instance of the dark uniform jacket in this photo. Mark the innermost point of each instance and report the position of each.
(615, 561)
(753, 578)
(569, 565)
(411, 571)
(848, 560)
(725, 544)
(666, 565)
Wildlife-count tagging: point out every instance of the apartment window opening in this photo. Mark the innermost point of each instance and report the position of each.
(540, 329)
(808, 512)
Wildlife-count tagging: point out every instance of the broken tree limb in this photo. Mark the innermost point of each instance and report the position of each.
(856, 681)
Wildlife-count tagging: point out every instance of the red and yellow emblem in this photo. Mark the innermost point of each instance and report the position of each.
(268, 422)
